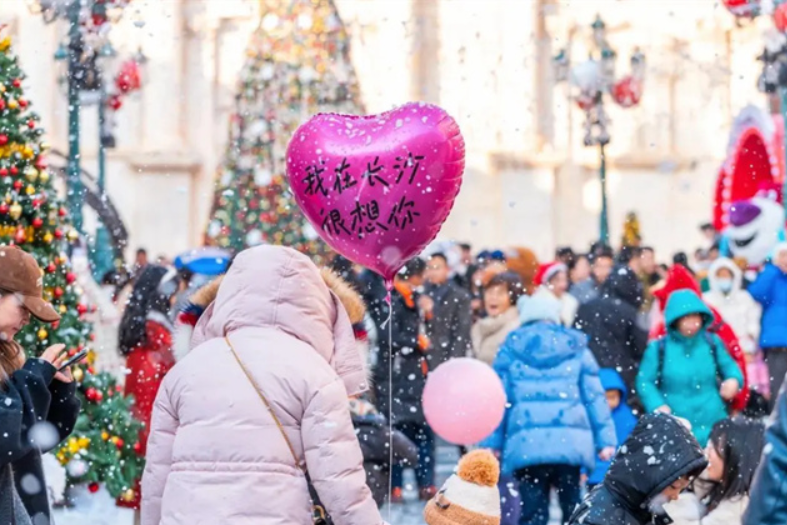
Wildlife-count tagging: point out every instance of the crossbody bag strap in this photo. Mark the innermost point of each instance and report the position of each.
(267, 405)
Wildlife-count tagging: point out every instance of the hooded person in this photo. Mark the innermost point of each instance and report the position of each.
(688, 372)
(622, 416)
(655, 463)
(610, 322)
(552, 281)
(770, 290)
(680, 278)
(735, 304)
(557, 419)
(259, 402)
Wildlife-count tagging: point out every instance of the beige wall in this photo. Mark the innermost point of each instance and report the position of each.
(529, 180)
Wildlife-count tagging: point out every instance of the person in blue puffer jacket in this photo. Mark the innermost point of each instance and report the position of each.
(557, 419)
(622, 416)
(770, 290)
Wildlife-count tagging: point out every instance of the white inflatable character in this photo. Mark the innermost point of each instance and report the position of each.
(755, 226)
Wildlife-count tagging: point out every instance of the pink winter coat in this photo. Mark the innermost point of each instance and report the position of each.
(215, 455)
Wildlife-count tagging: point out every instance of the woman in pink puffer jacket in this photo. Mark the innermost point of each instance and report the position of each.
(215, 455)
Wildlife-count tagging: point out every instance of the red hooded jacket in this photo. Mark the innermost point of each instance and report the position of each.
(679, 278)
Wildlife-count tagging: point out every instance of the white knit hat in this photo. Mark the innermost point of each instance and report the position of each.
(469, 497)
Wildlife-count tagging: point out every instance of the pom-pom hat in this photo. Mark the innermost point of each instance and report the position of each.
(469, 497)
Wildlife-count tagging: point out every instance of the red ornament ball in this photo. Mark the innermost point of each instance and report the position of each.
(114, 102)
(138, 447)
(40, 163)
(17, 83)
(38, 222)
(31, 123)
(3, 139)
(119, 443)
(14, 170)
(58, 293)
(3, 172)
(71, 277)
(99, 395)
(627, 92)
(22, 103)
(2, 103)
(58, 234)
(17, 185)
(93, 487)
(62, 212)
(91, 393)
(20, 236)
(50, 268)
(81, 309)
(55, 325)
(3, 208)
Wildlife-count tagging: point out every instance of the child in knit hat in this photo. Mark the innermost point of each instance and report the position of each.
(469, 497)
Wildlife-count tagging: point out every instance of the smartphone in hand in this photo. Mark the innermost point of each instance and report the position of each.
(73, 359)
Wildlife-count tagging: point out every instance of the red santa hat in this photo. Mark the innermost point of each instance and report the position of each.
(547, 271)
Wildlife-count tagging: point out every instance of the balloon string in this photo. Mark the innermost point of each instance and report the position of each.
(390, 399)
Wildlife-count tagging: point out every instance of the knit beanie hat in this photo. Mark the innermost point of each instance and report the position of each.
(469, 497)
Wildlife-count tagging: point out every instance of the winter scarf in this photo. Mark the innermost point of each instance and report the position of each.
(12, 510)
(491, 332)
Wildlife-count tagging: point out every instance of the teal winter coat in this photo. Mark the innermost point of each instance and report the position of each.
(689, 372)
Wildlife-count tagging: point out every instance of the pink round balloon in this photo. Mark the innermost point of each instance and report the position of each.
(377, 188)
(464, 401)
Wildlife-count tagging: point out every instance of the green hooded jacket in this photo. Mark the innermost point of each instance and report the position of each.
(689, 376)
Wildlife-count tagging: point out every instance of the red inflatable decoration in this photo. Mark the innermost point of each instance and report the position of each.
(627, 91)
(755, 156)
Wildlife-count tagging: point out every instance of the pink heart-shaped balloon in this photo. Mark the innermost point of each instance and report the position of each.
(377, 188)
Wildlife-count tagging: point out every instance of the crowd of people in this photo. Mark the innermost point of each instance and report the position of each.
(627, 382)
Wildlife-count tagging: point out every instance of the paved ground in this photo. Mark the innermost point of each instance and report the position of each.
(100, 509)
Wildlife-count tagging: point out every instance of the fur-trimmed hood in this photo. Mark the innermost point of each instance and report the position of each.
(278, 287)
(348, 296)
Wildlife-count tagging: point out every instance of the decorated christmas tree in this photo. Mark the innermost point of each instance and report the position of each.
(102, 447)
(298, 64)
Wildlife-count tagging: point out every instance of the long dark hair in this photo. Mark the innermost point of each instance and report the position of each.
(739, 442)
(152, 291)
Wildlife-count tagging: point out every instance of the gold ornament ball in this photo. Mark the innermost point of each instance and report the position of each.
(63, 309)
(48, 237)
(31, 173)
(78, 374)
(105, 435)
(42, 334)
(13, 104)
(30, 189)
(72, 235)
(44, 176)
(15, 211)
(129, 495)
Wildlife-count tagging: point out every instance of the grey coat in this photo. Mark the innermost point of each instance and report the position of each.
(12, 510)
(452, 320)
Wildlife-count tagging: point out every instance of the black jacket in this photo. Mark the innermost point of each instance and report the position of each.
(409, 363)
(768, 499)
(373, 436)
(658, 452)
(610, 322)
(30, 396)
(449, 329)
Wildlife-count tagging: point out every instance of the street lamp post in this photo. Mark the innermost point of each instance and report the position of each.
(592, 79)
(773, 80)
(75, 45)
